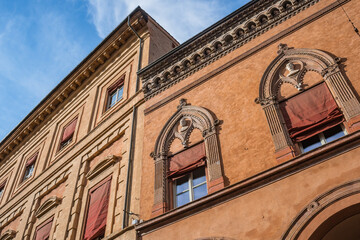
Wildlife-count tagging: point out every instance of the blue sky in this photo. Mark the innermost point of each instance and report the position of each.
(41, 41)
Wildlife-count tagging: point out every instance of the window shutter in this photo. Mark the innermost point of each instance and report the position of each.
(31, 160)
(116, 84)
(43, 232)
(2, 185)
(311, 112)
(97, 212)
(187, 161)
(69, 131)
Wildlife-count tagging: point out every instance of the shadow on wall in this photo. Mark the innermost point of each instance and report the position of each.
(215, 238)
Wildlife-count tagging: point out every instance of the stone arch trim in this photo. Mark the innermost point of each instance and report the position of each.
(346, 195)
(306, 60)
(186, 118)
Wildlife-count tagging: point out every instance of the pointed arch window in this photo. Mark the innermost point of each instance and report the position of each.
(192, 172)
(313, 117)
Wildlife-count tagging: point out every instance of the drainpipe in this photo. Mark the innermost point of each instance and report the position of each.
(140, 53)
(132, 140)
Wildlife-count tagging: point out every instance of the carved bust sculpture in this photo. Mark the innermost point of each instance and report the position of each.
(184, 125)
(291, 69)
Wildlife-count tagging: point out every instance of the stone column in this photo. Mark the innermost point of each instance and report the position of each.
(215, 176)
(160, 196)
(344, 96)
(284, 149)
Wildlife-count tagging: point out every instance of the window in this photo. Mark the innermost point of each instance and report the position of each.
(97, 211)
(2, 189)
(68, 133)
(187, 175)
(322, 138)
(29, 167)
(43, 231)
(115, 93)
(190, 187)
(313, 118)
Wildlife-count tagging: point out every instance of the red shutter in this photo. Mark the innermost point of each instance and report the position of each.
(31, 160)
(187, 161)
(116, 84)
(69, 131)
(43, 231)
(97, 213)
(2, 185)
(311, 112)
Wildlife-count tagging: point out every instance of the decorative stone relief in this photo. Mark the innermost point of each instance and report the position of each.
(221, 40)
(180, 126)
(101, 166)
(49, 204)
(8, 235)
(289, 67)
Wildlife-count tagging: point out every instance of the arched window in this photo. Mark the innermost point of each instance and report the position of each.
(190, 172)
(319, 110)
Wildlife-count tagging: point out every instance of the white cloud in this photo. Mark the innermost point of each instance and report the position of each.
(182, 18)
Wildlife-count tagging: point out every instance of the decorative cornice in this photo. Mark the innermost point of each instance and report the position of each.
(100, 167)
(72, 82)
(49, 204)
(14, 214)
(241, 28)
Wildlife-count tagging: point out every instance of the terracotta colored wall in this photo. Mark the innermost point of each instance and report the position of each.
(246, 143)
(267, 212)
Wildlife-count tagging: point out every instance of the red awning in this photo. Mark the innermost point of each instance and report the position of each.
(187, 161)
(311, 112)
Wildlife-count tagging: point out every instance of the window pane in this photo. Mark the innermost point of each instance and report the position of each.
(182, 199)
(311, 143)
(199, 176)
(182, 184)
(200, 191)
(333, 133)
(29, 171)
(120, 93)
(112, 99)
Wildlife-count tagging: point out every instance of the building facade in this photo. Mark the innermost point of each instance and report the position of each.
(248, 130)
(252, 127)
(71, 168)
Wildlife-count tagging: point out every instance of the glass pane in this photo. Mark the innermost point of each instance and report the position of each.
(28, 171)
(182, 184)
(182, 199)
(200, 191)
(199, 176)
(333, 133)
(1, 191)
(120, 93)
(311, 143)
(112, 99)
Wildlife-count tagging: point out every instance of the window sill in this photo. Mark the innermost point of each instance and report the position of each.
(294, 165)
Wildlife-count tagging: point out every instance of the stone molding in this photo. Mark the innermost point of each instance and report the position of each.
(49, 204)
(61, 178)
(9, 218)
(180, 125)
(304, 60)
(236, 31)
(318, 205)
(71, 83)
(8, 235)
(101, 166)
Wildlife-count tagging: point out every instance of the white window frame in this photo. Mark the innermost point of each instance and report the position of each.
(322, 138)
(115, 92)
(190, 188)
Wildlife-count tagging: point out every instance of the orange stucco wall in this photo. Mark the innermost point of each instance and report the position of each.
(245, 139)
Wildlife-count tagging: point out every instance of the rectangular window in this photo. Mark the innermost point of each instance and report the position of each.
(43, 231)
(2, 189)
(97, 211)
(190, 187)
(29, 167)
(322, 138)
(115, 93)
(68, 133)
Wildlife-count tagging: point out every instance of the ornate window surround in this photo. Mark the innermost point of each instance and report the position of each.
(308, 60)
(198, 118)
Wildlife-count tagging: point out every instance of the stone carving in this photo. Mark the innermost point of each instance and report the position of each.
(49, 204)
(8, 235)
(180, 126)
(304, 60)
(101, 166)
(221, 40)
